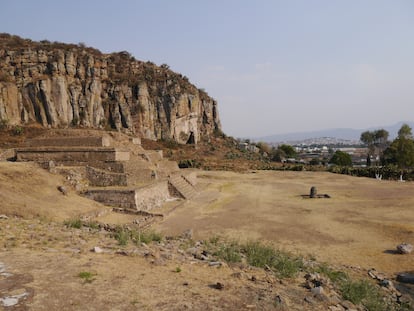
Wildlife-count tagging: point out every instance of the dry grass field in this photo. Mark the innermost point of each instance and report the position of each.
(360, 224)
(52, 265)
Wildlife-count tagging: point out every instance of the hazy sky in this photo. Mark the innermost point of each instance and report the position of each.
(273, 66)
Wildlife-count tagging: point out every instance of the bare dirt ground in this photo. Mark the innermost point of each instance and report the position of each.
(360, 224)
(41, 259)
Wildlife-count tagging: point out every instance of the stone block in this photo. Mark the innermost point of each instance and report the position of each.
(102, 178)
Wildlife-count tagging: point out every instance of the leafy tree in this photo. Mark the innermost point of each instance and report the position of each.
(405, 132)
(288, 150)
(381, 137)
(401, 150)
(376, 141)
(341, 158)
(277, 155)
(282, 151)
(314, 161)
(367, 138)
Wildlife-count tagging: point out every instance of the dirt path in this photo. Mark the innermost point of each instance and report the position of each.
(359, 225)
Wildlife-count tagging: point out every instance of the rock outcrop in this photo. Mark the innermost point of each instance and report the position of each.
(66, 85)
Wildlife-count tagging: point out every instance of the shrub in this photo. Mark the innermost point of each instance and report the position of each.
(121, 235)
(229, 252)
(145, 236)
(87, 276)
(335, 276)
(4, 124)
(73, 223)
(263, 256)
(257, 255)
(189, 163)
(92, 224)
(18, 130)
(365, 293)
(341, 158)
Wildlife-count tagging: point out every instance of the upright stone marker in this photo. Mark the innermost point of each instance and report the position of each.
(312, 192)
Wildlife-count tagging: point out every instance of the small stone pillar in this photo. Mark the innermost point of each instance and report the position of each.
(313, 192)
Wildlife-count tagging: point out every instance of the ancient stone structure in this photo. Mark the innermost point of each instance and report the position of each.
(115, 171)
(62, 85)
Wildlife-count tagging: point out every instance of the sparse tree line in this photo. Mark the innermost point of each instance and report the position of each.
(389, 159)
(396, 158)
(399, 152)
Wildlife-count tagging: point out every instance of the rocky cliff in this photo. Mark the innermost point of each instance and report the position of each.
(67, 85)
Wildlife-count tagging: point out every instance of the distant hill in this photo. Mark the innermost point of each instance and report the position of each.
(338, 133)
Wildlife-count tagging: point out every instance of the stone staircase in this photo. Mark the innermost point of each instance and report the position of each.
(119, 175)
(182, 186)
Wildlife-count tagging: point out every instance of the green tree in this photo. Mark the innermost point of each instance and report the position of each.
(381, 137)
(401, 150)
(277, 155)
(341, 158)
(376, 141)
(288, 150)
(367, 138)
(281, 152)
(314, 161)
(405, 132)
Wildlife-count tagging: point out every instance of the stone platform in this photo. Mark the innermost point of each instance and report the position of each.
(117, 172)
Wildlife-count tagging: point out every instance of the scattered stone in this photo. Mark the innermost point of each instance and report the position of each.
(318, 290)
(309, 300)
(97, 250)
(12, 300)
(3, 217)
(186, 283)
(122, 252)
(2, 267)
(158, 262)
(63, 190)
(322, 297)
(347, 305)
(167, 256)
(278, 300)
(387, 283)
(52, 167)
(405, 278)
(218, 286)
(187, 234)
(334, 298)
(404, 248)
(376, 275)
(237, 275)
(73, 250)
(214, 263)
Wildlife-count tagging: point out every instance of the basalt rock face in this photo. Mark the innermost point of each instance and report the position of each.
(62, 85)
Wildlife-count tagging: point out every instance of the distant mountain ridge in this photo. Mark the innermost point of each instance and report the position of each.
(338, 133)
